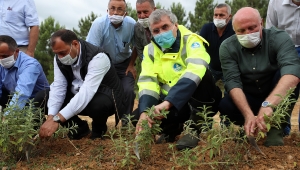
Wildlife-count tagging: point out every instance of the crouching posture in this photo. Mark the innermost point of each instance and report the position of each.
(85, 83)
(174, 73)
(257, 64)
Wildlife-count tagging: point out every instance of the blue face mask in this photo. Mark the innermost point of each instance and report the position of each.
(165, 39)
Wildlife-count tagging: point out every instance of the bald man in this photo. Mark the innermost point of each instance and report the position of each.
(256, 67)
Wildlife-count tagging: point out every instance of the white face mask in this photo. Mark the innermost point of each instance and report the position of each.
(220, 23)
(8, 62)
(249, 40)
(68, 60)
(144, 22)
(116, 19)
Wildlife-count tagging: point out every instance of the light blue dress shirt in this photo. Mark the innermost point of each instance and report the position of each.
(16, 16)
(116, 42)
(26, 77)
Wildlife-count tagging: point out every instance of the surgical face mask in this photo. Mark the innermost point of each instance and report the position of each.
(144, 22)
(220, 23)
(165, 39)
(249, 40)
(68, 60)
(116, 19)
(8, 62)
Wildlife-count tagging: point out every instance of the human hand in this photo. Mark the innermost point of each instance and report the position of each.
(158, 108)
(143, 116)
(250, 125)
(48, 128)
(131, 69)
(260, 120)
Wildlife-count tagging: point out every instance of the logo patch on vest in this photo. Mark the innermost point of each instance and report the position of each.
(195, 45)
(177, 67)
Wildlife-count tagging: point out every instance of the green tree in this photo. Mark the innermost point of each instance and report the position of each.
(260, 5)
(43, 52)
(180, 13)
(158, 6)
(131, 12)
(204, 11)
(84, 25)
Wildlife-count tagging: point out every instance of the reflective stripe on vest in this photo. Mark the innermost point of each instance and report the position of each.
(147, 79)
(150, 93)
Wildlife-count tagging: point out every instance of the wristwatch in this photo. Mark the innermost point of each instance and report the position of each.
(265, 104)
(56, 119)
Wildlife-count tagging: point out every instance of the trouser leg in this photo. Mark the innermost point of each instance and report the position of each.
(128, 85)
(99, 109)
(207, 94)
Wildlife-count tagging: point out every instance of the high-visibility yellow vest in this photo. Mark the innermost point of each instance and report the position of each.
(162, 71)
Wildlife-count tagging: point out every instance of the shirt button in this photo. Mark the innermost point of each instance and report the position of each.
(259, 88)
(173, 56)
(256, 80)
(169, 81)
(253, 68)
(252, 54)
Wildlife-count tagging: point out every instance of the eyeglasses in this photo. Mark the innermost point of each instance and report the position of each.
(118, 10)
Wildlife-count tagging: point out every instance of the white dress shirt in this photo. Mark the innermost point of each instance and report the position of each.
(285, 15)
(84, 90)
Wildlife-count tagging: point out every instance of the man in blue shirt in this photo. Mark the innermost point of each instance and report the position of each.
(215, 33)
(114, 33)
(19, 19)
(19, 74)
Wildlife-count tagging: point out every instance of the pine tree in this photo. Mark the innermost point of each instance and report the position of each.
(180, 13)
(43, 52)
(204, 11)
(84, 25)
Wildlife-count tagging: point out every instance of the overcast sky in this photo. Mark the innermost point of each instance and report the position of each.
(69, 12)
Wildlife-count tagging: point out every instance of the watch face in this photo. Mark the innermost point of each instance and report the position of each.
(265, 104)
(56, 118)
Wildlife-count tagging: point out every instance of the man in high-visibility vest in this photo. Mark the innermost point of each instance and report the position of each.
(175, 76)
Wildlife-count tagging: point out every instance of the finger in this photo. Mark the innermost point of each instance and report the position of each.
(252, 127)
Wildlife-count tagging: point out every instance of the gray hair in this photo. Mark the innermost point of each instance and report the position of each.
(156, 16)
(150, 1)
(221, 5)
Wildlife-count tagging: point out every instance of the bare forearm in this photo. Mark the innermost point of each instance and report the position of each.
(240, 101)
(285, 83)
(33, 38)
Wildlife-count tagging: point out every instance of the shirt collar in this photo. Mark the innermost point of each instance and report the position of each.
(287, 2)
(78, 63)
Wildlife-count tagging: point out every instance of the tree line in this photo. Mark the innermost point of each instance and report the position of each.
(203, 13)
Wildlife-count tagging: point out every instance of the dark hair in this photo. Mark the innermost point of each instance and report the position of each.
(65, 35)
(150, 1)
(12, 44)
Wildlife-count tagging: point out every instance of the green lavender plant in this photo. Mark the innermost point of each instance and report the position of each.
(146, 137)
(19, 131)
(280, 112)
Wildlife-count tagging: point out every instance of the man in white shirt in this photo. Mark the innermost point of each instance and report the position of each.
(284, 14)
(19, 19)
(85, 83)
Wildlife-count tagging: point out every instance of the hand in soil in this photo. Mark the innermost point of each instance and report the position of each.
(138, 125)
(48, 128)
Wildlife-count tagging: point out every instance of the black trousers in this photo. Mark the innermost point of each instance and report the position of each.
(128, 84)
(228, 108)
(99, 109)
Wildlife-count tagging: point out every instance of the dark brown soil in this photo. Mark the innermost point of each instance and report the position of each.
(60, 154)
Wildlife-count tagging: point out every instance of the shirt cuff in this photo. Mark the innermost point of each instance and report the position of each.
(66, 113)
